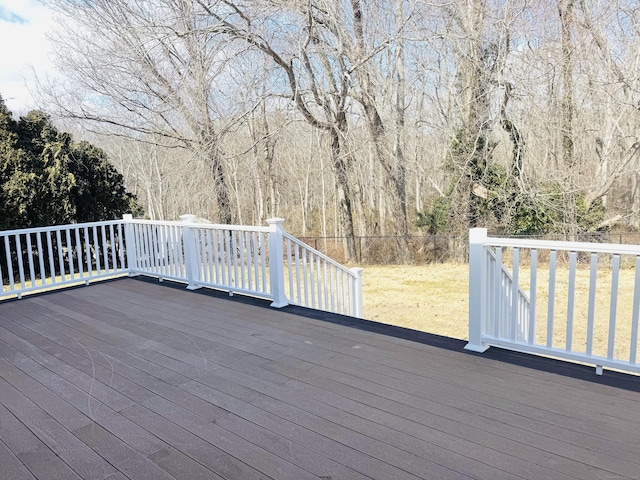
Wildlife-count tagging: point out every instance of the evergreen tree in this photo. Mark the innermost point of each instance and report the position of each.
(48, 179)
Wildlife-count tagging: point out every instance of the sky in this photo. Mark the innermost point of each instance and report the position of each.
(24, 51)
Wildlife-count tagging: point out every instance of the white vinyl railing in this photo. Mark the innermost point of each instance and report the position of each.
(573, 300)
(265, 262)
(316, 281)
(502, 309)
(36, 259)
(228, 257)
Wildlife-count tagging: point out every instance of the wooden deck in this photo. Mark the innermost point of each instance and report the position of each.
(131, 379)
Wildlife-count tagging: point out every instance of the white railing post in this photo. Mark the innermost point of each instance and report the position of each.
(356, 294)
(191, 260)
(276, 264)
(477, 289)
(129, 245)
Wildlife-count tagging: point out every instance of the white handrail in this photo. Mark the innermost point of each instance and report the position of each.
(192, 222)
(53, 228)
(612, 248)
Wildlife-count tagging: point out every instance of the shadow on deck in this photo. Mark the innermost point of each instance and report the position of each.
(132, 379)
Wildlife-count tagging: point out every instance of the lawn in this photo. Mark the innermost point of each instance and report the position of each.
(434, 298)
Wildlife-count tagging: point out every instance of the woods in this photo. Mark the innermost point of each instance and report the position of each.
(353, 118)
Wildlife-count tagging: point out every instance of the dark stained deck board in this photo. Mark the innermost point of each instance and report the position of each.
(166, 456)
(288, 428)
(455, 428)
(182, 378)
(414, 354)
(577, 400)
(10, 466)
(440, 368)
(65, 445)
(297, 476)
(29, 449)
(135, 384)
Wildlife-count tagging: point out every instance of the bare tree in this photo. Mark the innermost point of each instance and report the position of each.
(388, 146)
(470, 148)
(149, 70)
(311, 59)
(614, 139)
(566, 13)
(351, 115)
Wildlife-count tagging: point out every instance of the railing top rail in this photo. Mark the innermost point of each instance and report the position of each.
(22, 231)
(590, 247)
(327, 259)
(212, 226)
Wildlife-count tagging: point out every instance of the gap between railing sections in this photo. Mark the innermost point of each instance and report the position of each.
(573, 300)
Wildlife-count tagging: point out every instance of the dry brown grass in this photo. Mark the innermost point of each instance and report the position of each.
(434, 298)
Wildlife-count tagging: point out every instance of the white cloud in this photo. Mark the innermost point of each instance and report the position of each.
(25, 50)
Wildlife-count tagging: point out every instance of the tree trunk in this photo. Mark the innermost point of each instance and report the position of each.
(343, 191)
(469, 152)
(392, 162)
(567, 19)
